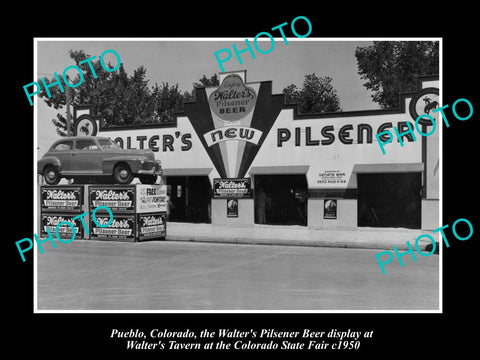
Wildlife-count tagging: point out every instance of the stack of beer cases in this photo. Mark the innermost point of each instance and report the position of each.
(139, 212)
(60, 204)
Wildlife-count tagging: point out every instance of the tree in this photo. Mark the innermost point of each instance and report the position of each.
(317, 95)
(392, 67)
(166, 100)
(61, 124)
(120, 99)
(203, 82)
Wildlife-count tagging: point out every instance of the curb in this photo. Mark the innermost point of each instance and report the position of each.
(284, 242)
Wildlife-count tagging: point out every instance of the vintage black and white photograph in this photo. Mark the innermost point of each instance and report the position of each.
(266, 174)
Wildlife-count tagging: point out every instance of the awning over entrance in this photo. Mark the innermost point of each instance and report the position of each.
(388, 168)
(187, 172)
(275, 170)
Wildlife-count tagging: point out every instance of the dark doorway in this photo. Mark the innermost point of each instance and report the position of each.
(389, 200)
(190, 196)
(281, 199)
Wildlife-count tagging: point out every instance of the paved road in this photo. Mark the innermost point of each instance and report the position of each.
(157, 275)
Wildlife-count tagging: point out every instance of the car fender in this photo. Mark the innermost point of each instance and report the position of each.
(48, 160)
(133, 161)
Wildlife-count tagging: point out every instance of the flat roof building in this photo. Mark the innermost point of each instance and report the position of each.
(239, 155)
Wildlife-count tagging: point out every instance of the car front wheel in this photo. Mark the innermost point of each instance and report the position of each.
(51, 175)
(122, 174)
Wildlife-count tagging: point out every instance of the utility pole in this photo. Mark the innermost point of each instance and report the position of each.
(69, 120)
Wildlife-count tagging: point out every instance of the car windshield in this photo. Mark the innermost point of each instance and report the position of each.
(108, 144)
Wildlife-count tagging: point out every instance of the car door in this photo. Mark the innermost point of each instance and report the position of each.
(62, 151)
(86, 157)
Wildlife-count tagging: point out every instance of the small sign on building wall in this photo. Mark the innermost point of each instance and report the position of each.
(232, 208)
(330, 209)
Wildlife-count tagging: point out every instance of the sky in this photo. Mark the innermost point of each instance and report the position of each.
(184, 61)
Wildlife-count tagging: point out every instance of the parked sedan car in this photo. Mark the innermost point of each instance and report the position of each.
(97, 159)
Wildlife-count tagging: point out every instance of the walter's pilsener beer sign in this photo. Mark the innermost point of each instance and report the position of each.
(68, 198)
(230, 125)
(231, 188)
(117, 199)
(233, 99)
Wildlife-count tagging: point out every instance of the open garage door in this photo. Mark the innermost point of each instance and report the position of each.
(389, 200)
(284, 198)
(190, 196)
